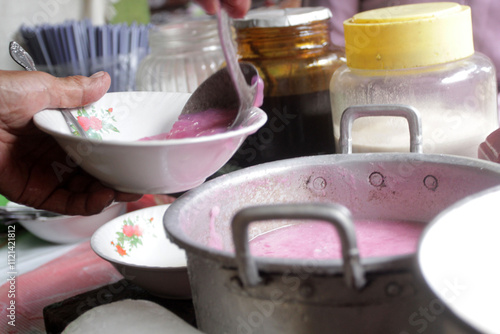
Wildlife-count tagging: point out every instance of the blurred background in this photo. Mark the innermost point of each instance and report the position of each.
(85, 36)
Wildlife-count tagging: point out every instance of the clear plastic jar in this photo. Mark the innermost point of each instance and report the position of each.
(295, 57)
(182, 56)
(423, 56)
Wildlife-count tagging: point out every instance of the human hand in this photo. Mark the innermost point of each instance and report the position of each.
(27, 155)
(234, 8)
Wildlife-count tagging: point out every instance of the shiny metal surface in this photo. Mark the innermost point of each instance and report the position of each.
(337, 215)
(306, 296)
(374, 110)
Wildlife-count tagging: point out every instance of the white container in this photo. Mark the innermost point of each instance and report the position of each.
(423, 56)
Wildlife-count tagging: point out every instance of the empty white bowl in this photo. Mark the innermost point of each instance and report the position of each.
(114, 155)
(137, 246)
(68, 229)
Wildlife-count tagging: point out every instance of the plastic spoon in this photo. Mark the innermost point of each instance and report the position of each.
(24, 59)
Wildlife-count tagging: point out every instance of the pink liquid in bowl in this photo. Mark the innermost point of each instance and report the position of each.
(205, 123)
(319, 240)
(208, 122)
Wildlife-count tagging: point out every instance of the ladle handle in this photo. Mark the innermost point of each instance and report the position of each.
(336, 214)
(244, 91)
(352, 113)
(21, 57)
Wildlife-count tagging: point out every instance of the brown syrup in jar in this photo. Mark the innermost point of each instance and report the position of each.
(295, 57)
(298, 125)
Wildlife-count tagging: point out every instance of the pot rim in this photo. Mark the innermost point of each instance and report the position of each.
(227, 259)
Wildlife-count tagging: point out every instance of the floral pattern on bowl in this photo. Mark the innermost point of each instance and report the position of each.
(95, 121)
(138, 238)
(131, 234)
(137, 245)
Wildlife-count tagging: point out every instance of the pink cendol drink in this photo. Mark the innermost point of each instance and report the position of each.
(205, 123)
(319, 240)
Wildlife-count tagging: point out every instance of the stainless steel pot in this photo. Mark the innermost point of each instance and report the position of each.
(234, 292)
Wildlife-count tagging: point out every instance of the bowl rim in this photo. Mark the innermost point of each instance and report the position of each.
(116, 262)
(445, 222)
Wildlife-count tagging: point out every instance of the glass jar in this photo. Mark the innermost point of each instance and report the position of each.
(182, 56)
(292, 50)
(420, 55)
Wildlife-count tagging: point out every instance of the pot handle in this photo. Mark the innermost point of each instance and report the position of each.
(336, 214)
(352, 113)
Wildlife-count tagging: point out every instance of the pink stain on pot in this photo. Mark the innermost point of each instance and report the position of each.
(313, 240)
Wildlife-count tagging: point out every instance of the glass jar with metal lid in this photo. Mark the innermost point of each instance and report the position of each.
(293, 52)
(182, 56)
(421, 55)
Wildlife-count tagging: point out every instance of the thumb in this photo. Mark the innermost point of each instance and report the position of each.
(75, 91)
(23, 93)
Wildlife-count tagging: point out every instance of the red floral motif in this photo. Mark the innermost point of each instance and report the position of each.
(137, 230)
(129, 236)
(92, 122)
(84, 122)
(128, 230)
(120, 250)
(95, 123)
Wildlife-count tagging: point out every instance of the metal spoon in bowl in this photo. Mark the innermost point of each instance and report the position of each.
(9, 216)
(234, 87)
(23, 58)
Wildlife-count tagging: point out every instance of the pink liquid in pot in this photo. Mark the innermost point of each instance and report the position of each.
(320, 241)
(208, 122)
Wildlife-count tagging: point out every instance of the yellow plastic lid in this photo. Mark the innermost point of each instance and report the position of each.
(409, 36)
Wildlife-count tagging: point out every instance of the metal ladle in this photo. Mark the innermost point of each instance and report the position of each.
(23, 58)
(234, 87)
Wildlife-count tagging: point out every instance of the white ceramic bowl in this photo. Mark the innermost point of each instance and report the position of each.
(115, 156)
(137, 246)
(459, 257)
(68, 229)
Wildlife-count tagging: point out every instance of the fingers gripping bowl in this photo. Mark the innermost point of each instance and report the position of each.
(114, 155)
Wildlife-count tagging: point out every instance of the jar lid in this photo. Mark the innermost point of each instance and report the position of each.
(409, 36)
(193, 34)
(287, 17)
